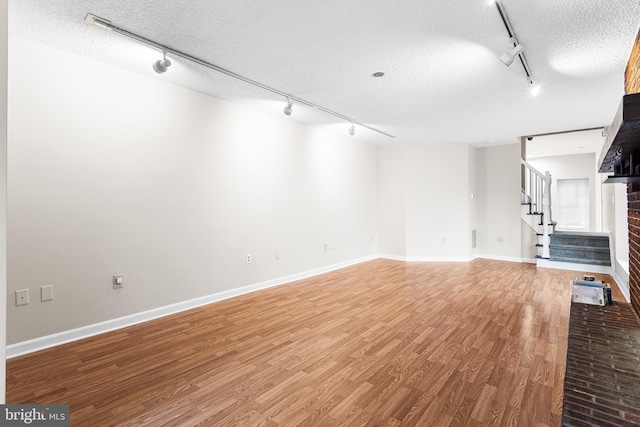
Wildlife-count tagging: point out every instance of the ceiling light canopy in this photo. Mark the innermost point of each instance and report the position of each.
(161, 66)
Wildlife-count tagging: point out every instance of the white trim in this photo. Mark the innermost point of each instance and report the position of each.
(437, 259)
(623, 284)
(392, 257)
(586, 268)
(426, 259)
(623, 289)
(501, 258)
(455, 259)
(530, 260)
(48, 341)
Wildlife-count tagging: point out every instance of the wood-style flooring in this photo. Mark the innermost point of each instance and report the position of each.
(383, 343)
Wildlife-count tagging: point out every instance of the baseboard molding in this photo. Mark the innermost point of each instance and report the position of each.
(455, 259)
(503, 258)
(623, 284)
(425, 259)
(48, 341)
(392, 257)
(585, 268)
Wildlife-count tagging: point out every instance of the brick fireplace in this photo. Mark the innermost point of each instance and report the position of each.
(632, 85)
(621, 155)
(633, 199)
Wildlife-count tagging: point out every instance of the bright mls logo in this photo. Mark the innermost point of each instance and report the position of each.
(35, 415)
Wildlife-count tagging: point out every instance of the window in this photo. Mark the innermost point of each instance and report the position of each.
(573, 204)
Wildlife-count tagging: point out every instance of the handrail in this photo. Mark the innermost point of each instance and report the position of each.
(537, 189)
(534, 170)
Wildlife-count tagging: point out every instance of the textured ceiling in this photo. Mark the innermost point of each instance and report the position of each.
(443, 80)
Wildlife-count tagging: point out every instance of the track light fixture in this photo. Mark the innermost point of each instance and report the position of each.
(161, 65)
(509, 57)
(352, 130)
(289, 107)
(517, 51)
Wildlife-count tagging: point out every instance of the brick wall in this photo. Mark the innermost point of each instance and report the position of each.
(633, 198)
(632, 85)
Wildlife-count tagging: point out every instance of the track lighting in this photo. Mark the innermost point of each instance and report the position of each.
(161, 65)
(509, 57)
(352, 130)
(517, 51)
(289, 107)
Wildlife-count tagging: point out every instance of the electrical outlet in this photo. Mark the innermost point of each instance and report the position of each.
(46, 293)
(118, 281)
(22, 297)
(248, 258)
(277, 254)
(500, 240)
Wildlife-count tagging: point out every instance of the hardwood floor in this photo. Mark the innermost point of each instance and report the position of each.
(380, 343)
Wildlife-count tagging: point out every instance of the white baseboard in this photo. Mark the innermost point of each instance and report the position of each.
(586, 268)
(621, 276)
(48, 341)
(455, 259)
(425, 259)
(503, 258)
(392, 257)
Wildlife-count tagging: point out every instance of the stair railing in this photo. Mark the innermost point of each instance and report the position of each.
(537, 189)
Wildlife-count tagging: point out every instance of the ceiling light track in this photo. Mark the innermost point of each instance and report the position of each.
(107, 25)
(514, 39)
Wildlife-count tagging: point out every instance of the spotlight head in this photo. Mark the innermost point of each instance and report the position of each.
(529, 138)
(509, 57)
(289, 108)
(161, 65)
(352, 130)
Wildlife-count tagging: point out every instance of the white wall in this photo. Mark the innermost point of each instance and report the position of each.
(472, 199)
(499, 178)
(423, 198)
(437, 187)
(3, 195)
(391, 200)
(573, 167)
(110, 171)
(428, 189)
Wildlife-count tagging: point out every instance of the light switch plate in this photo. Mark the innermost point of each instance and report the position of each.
(46, 293)
(118, 281)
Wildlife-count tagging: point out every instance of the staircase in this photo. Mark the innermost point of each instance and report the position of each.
(583, 251)
(581, 248)
(536, 207)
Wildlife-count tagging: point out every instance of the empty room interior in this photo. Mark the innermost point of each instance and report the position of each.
(321, 213)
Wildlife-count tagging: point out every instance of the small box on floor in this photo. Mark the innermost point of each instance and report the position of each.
(588, 290)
